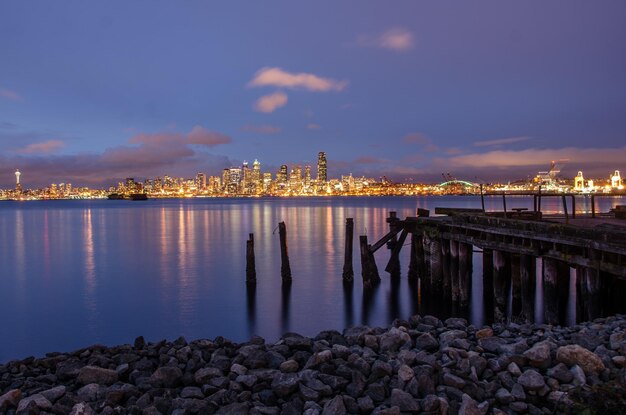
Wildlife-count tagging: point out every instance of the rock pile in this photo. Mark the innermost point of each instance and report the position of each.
(422, 365)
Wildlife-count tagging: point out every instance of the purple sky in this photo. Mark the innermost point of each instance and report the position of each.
(91, 92)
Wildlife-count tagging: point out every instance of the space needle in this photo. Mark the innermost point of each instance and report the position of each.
(18, 186)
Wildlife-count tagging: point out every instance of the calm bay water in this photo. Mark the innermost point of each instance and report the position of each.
(75, 273)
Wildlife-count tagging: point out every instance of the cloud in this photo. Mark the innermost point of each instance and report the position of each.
(146, 155)
(422, 140)
(397, 39)
(201, 136)
(279, 78)
(369, 160)
(313, 126)
(12, 95)
(500, 141)
(262, 129)
(608, 157)
(45, 147)
(270, 103)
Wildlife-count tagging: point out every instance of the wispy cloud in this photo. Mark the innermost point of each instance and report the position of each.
(313, 126)
(541, 157)
(420, 139)
(270, 103)
(12, 95)
(397, 39)
(369, 160)
(279, 78)
(501, 141)
(262, 129)
(45, 147)
(7, 125)
(201, 136)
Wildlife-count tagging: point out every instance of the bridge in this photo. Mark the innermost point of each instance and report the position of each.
(458, 182)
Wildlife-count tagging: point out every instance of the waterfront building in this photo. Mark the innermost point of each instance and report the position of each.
(201, 181)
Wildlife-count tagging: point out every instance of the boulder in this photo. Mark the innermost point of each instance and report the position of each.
(576, 355)
(94, 374)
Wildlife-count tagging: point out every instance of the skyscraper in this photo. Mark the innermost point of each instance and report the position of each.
(321, 167)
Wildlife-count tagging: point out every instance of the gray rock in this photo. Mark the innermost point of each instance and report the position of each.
(381, 369)
(11, 398)
(430, 403)
(518, 392)
(561, 373)
(236, 408)
(318, 358)
(366, 405)
(454, 381)
(578, 376)
(491, 344)
(404, 401)
(36, 400)
(289, 366)
(471, 407)
(531, 380)
(94, 374)
(539, 354)
(53, 394)
(204, 375)
(82, 408)
(89, 393)
(504, 396)
(394, 339)
(308, 394)
(247, 380)
(167, 376)
(405, 373)
(191, 392)
(335, 406)
(514, 369)
(426, 342)
(447, 337)
(576, 355)
(285, 384)
(238, 369)
(519, 407)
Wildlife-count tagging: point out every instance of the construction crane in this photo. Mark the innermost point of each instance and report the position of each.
(549, 177)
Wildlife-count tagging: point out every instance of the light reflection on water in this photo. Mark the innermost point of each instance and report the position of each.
(80, 272)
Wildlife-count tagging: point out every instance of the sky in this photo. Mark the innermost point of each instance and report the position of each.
(93, 92)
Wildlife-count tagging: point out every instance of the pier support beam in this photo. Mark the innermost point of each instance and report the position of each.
(501, 284)
(369, 271)
(555, 290)
(250, 261)
(527, 268)
(393, 266)
(348, 271)
(436, 268)
(466, 265)
(416, 264)
(455, 294)
(588, 294)
(488, 284)
(285, 268)
(447, 246)
(516, 287)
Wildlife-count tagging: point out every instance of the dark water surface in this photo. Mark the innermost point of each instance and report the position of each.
(75, 273)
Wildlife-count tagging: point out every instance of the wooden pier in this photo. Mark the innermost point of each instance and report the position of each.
(442, 249)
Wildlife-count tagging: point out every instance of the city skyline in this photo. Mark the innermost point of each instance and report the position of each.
(484, 90)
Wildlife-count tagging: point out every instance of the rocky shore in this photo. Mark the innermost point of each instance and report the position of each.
(422, 365)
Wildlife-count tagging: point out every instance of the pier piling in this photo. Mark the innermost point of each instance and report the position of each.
(527, 268)
(348, 271)
(285, 268)
(369, 271)
(250, 261)
(466, 262)
(501, 281)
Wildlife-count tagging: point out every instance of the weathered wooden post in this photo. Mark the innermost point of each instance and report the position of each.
(425, 276)
(501, 281)
(504, 203)
(482, 197)
(446, 268)
(488, 283)
(393, 266)
(454, 271)
(436, 267)
(416, 267)
(527, 267)
(285, 268)
(250, 262)
(550, 296)
(565, 208)
(466, 260)
(348, 272)
(588, 294)
(516, 286)
(369, 271)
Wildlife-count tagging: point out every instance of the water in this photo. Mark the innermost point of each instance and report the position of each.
(75, 273)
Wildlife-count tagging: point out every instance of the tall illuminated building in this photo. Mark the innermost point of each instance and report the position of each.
(201, 181)
(281, 176)
(307, 176)
(321, 167)
(256, 176)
